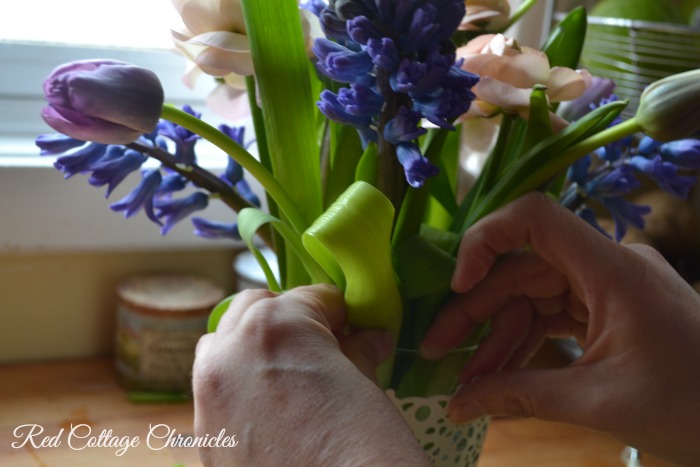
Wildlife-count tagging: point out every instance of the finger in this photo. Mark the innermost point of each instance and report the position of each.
(323, 303)
(509, 329)
(240, 303)
(367, 349)
(521, 274)
(562, 239)
(558, 325)
(523, 393)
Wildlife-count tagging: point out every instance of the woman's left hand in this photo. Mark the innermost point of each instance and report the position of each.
(276, 375)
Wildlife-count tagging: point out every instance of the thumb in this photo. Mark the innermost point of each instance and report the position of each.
(547, 394)
(367, 349)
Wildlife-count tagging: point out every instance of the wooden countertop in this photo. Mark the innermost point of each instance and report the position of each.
(57, 394)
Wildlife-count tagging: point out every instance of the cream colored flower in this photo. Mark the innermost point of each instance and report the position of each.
(486, 15)
(214, 37)
(215, 41)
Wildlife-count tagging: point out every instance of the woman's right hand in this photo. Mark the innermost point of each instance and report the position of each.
(536, 270)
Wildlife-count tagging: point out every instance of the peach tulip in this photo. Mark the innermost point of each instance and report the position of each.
(508, 73)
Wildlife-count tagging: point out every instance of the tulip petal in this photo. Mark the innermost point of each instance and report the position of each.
(98, 131)
(502, 94)
(219, 53)
(566, 84)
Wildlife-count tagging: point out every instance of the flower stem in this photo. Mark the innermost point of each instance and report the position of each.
(613, 133)
(390, 178)
(519, 13)
(243, 157)
(203, 179)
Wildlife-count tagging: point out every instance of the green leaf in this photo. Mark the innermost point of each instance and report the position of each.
(367, 166)
(218, 312)
(346, 153)
(539, 127)
(565, 42)
(285, 89)
(252, 219)
(545, 160)
(422, 267)
(354, 235)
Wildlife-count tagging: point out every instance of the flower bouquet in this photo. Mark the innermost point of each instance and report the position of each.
(366, 113)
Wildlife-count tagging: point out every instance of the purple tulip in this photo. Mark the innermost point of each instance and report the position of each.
(104, 101)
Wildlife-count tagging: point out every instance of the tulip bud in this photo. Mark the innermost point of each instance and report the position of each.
(669, 109)
(104, 101)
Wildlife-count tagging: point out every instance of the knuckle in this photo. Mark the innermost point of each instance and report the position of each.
(518, 405)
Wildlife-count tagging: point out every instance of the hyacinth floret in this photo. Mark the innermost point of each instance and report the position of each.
(615, 174)
(111, 164)
(142, 196)
(399, 62)
(183, 138)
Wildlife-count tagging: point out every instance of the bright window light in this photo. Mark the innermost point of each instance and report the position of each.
(114, 23)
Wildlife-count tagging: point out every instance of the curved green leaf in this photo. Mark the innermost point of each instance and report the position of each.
(251, 219)
(218, 312)
(565, 42)
(354, 236)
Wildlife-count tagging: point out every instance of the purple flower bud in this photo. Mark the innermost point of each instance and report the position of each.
(234, 170)
(432, 23)
(340, 63)
(183, 138)
(56, 143)
(332, 25)
(333, 109)
(245, 191)
(417, 167)
(141, 196)
(588, 215)
(648, 146)
(214, 230)
(360, 100)
(104, 101)
(404, 127)
(361, 29)
(177, 209)
(82, 160)
(683, 153)
(665, 174)
(112, 172)
(624, 213)
(171, 183)
(619, 180)
(383, 52)
(443, 105)
(578, 172)
(417, 78)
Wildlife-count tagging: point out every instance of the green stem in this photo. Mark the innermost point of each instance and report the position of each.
(519, 13)
(505, 193)
(613, 133)
(243, 157)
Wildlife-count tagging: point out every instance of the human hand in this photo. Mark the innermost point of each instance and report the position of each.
(279, 375)
(536, 270)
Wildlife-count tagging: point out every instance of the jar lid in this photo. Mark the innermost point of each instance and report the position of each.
(169, 292)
